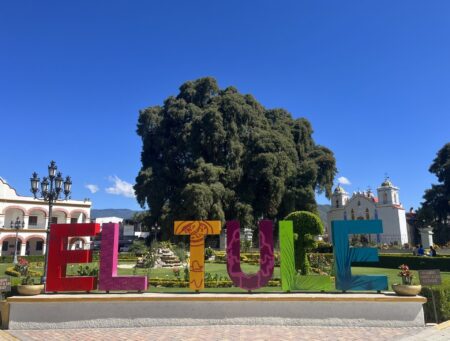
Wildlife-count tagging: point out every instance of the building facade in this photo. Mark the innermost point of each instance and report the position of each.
(129, 230)
(364, 205)
(33, 215)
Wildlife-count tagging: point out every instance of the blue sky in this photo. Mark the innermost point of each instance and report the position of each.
(373, 77)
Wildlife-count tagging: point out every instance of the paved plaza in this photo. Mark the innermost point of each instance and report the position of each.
(233, 333)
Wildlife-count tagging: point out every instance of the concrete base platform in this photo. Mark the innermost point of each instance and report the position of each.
(152, 309)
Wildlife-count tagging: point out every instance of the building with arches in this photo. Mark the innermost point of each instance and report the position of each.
(34, 215)
(364, 205)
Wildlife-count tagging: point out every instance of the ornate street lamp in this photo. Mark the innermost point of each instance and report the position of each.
(16, 225)
(51, 195)
(155, 230)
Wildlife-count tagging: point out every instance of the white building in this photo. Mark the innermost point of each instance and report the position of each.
(364, 205)
(129, 228)
(34, 215)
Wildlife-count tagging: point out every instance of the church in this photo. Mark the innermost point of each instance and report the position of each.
(365, 205)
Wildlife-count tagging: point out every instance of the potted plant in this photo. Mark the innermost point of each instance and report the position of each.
(406, 288)
(27, 286)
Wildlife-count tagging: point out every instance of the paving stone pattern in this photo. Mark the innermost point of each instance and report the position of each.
(210, 333)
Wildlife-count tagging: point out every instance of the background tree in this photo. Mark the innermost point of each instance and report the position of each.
(306, 225)
(435, 210)
(218, 154)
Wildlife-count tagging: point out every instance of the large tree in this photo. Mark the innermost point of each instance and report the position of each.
(218, 154)
(435, 210)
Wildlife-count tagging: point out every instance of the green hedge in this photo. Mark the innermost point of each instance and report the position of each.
(246, 257)
(12, 272)
(392, 261)
(173, 283)
(31, 259)
(442, 299)
(122, 256)
(34, 259)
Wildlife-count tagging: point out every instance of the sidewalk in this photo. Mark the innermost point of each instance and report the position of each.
(210, 333)
(255, 333)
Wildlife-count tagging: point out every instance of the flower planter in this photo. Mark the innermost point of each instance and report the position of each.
(30, 290)
(406, 290)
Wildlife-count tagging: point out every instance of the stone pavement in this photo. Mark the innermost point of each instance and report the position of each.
(234, 333)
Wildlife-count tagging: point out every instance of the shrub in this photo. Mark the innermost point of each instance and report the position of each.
(177, 273)
(220, 257)
(221, 283)
(10, 271)
(246, 245)
(321, 263)
(323, 247)
(392, 261)
(208, 253)
(34, 273)
(442, 298)
(166, 244)
(306, 225)
(9, 259)
(147, 260)
(138, 248)
(180, 252)
(27, 280)
(22, 268)
(87, 271)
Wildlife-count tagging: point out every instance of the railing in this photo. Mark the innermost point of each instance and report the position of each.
(37, 226)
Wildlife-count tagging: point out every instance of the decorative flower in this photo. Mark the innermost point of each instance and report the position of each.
(22, 266)
(405, 274)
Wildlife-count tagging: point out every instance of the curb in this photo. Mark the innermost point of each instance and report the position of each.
(7, 337)
(443, 325)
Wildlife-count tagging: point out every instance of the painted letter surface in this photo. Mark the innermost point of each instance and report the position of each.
(108, 279)
(266, 259)
(59, 257)
(290, 279)
(344, 255)
(198, 230)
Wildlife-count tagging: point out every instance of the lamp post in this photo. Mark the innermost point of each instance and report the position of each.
(51, 195)
(155, 229)
(16, 225)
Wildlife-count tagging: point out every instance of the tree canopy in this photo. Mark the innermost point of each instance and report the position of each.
(212, 153)
(435, 210)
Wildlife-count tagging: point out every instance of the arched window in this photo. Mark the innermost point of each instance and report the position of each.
(337, 203)
(384, 198)
(395, 198)
(359, 203)
(353, 214)
(367, 214)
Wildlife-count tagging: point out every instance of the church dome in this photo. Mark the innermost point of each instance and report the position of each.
(387, 183)
(339, 190)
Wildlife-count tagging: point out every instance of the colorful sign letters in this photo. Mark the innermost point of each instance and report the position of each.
(290, 279)
(198, 230)
(108, 279)
(344, 255)
(266, 262)
(59, 257)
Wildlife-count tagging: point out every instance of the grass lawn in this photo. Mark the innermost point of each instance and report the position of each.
(392, 274)
(220, 269)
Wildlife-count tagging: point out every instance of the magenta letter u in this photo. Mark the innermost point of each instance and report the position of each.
(108, 264)
(266, 261)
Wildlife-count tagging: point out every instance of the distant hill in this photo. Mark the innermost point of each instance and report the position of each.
(113, 212)
(127, 214)
(323, 210)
